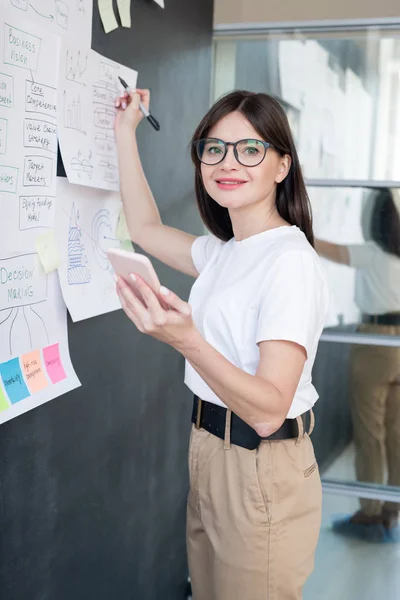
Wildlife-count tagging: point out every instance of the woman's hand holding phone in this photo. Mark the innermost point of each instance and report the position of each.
(154, 310)
(173, 326)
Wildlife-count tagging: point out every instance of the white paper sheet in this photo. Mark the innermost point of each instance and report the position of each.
(160, 3)
(86, 226)
(28, 109)
(34, 360)
(57, 16)
(88, 87)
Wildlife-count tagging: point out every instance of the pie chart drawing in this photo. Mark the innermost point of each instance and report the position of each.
(102, 233)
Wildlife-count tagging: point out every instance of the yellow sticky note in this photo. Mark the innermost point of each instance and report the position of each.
(47, 249)
(107, 15)
(122, 232)
(124, 9)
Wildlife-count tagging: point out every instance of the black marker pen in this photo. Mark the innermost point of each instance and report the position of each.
(144, 110)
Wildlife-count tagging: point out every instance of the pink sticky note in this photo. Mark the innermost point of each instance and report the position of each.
(53, 363)
(33, 371)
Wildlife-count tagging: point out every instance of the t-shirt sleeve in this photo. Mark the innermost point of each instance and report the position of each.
(294, 301)
(361, 255)
(203, 248)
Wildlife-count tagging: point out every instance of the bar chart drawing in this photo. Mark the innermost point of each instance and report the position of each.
(73, 117)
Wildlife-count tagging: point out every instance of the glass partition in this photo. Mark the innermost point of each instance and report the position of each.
(331, 86)
(341, 92)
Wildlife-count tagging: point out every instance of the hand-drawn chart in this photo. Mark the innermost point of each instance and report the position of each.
(33, 337)
(73, 113)
(78, 271)
(86, 226)
(83, 166)
(28, 106)
(23, 289)
(25, 328)
(102, 233)
(34, 359)
(88, 86)
(57, 16)
(76, 66)
(105, 144)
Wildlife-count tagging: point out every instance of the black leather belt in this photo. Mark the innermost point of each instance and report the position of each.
(386, 319)
(212, 417)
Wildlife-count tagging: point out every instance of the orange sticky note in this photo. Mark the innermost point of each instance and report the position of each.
(33, 371)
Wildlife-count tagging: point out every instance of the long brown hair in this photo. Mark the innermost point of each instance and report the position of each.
(385, 222)
(268, 118)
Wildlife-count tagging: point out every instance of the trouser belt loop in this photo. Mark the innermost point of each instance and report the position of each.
(198, 416)
(227, 438)
(300, 426)
(312, 422)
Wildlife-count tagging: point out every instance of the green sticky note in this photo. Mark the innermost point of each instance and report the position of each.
(127, 245)
(4, 405)
(122, 228)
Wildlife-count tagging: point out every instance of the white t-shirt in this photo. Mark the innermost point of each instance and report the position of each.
(271, 286)
(377, 278)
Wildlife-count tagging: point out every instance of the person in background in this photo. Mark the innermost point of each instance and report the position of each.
(375, 370)
(249, 335)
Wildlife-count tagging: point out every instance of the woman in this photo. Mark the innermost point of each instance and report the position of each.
(375, 370)
(249, 335)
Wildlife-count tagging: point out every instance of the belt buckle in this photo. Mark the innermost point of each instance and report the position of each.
(198, 416)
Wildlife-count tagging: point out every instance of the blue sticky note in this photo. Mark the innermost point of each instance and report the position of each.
(13, 380)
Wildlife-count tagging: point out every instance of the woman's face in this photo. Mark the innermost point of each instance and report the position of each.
(233, 185)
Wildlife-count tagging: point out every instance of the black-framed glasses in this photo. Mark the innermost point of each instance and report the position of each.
(249, 152)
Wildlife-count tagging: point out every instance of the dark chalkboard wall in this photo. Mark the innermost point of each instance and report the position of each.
(93, 484)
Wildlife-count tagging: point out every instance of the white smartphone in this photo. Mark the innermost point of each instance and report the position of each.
(124, 263)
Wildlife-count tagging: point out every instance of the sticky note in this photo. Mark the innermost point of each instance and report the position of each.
(122, 232)
(33, 371)
(3, 401)
(127, 245)
(13, 380)
(107, 15)
(124, 9)
(47, 249)
(52, 360)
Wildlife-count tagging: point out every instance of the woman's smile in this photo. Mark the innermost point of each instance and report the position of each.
(230, 183)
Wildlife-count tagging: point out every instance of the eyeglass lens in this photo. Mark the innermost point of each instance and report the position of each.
(248, 152)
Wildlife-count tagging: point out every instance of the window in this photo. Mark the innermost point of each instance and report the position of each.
(341, 92)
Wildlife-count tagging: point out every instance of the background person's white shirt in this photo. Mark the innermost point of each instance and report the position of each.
(271, 286)
(377, 288)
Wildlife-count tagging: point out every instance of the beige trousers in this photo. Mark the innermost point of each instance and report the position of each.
(375, 404)
(253, 518)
